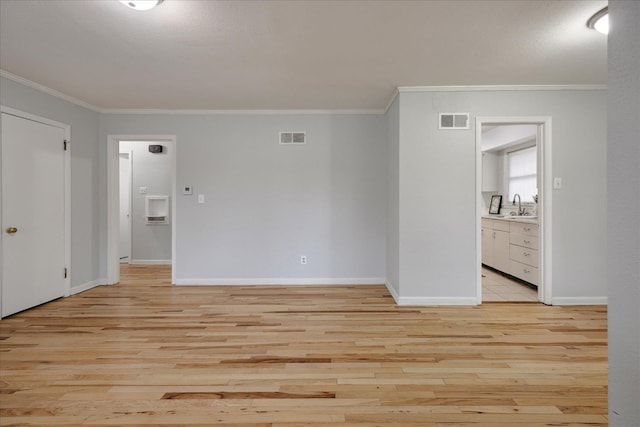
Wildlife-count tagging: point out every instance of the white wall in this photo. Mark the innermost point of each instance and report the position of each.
(624, 213)
(267, 204)
(153, 171)
(393, 195)
(85, 178)
(437, 190)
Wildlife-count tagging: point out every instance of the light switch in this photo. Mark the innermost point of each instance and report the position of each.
(557, 183)
(143, 190)
(200, 198)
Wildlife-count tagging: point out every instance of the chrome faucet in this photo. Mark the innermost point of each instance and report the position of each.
(520, 210)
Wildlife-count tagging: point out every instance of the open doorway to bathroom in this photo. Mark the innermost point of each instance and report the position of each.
(511, 168)
(145, 194)
(141, 198)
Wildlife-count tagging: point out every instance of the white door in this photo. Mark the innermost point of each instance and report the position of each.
(125, 208)
(33, 220)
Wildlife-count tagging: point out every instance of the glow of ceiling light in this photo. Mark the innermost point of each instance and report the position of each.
(600, 21)
(141, 4)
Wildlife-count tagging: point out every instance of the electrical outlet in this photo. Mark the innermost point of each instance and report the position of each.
(143, 190)
(303, 259)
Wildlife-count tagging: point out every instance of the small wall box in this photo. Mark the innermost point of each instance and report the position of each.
(156, 209)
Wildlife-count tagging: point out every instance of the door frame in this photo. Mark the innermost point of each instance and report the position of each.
(543, 146)
(67, 189)
(130, 234)
(113, 201)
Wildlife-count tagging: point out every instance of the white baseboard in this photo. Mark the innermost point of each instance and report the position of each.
(579, 301)
(150, 262)
(86, 286)
(392, 291)
(429, 301)
(435, 301)
(284, 281)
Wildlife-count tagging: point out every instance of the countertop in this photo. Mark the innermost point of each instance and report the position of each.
(524, 218)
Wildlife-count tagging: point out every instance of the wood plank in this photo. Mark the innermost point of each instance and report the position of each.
(146, 353)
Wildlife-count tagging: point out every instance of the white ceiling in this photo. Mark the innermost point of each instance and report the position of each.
(293, 54)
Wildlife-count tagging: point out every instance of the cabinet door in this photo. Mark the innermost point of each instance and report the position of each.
(489, 172)
(487, 247)
(501, 257)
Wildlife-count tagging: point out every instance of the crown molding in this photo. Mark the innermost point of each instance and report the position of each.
(241, 112)
(290, 112)
(47, 90)
(483, 88)
(393, 97)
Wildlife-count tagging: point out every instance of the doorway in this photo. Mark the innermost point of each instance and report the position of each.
(513, 164)
(141, 213)
(125, 207)
(35, 211)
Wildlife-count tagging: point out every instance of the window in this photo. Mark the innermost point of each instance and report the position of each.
(522, 173)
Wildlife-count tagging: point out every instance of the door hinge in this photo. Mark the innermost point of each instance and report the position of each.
(66, 143)
(65, 272)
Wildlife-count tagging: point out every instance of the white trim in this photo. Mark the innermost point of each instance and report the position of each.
(579, 301)
(392, 291)
(544, 201)
(482, 88)
(67, 183)
(150, 262)
(113, 202)
(300, 112)
(283, 281)
(47, 90)
(394, 95)
(437, 301)
(86, 286)
(130, 235)
(355, 111)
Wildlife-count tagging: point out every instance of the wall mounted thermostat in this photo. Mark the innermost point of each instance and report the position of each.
(187, 190)
(155, 149)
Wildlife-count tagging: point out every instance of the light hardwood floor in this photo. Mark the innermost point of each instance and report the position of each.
(146, 353)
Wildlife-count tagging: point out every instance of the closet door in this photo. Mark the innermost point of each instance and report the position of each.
(33, 220)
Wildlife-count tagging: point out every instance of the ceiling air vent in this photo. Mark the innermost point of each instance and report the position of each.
(453, 121)
(293, 137)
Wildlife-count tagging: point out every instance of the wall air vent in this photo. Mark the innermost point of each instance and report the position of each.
(453, 121)
(293, 137)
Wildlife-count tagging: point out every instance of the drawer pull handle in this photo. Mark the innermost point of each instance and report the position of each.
(527, 271)
(527, 229)
(527, 254)
(527, 241)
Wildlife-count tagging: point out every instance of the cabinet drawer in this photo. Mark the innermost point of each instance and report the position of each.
(501, 225)
(487, 223)
(524, 272)
(523, 240)
(524, 255)
(528, 229)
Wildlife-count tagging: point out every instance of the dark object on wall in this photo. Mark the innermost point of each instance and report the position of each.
(496, 202)
(155, 149)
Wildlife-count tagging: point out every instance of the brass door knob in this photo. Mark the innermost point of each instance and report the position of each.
(12, 230)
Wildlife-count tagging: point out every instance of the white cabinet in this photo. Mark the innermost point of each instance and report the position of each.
(501, 250)
(487, 245)
(511, 247)
(495, 244)
(524, 251)
(489, 172)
